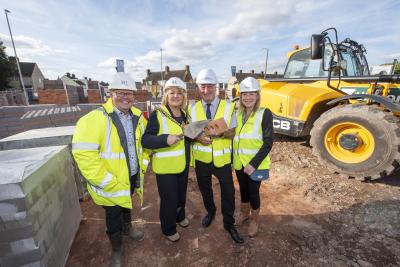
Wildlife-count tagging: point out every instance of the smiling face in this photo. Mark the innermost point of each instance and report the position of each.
(122, 99)
(249, 100)
(207, 92)
(175, 97)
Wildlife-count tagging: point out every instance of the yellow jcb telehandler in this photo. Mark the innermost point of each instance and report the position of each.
(327, 92)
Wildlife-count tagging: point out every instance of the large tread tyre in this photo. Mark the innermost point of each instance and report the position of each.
(383, 128)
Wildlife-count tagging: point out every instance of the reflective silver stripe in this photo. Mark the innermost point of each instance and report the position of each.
(121, 193)
(164, 124)
(142, 127)
(145, 162)
(217, 153)
(236, 138)
(85, 146)
(245, 151)
(193, 113)
(111, 155)
(202, 148)
(108, 135)
(169, 154)
(107, 179)
(227, 112)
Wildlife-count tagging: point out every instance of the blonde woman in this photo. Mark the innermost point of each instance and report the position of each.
(171, 158)
(251, 146)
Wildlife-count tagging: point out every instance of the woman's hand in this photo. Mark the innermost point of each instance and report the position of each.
(174, 138)
(249, 169)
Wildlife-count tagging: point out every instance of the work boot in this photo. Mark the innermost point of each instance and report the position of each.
(116, 245)
(243, 214)
(129, 230)
(253, 227)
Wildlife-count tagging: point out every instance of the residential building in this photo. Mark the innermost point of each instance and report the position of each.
(155, 80)
(32, 76)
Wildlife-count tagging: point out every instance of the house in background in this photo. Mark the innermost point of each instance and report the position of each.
(155, 80)
(240, 76)
(32, 76)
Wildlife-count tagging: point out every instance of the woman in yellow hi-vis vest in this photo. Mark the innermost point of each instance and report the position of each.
(171, 158)
(251, 146)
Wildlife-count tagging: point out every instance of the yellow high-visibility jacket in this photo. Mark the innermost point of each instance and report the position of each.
(99, 152)
(248, 141)
(171, 159)
(220, 151)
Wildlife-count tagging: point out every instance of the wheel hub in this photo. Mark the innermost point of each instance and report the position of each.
(350, 141)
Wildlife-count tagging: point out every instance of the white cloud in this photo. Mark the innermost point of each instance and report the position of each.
(28, 47)
(180, 48)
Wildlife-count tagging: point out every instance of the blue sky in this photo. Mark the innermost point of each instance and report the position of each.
(85, 37)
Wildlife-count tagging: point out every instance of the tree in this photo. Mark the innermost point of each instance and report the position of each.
(7, 68)
(397, 68)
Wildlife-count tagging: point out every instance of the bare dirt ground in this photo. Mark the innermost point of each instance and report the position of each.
(309, 217)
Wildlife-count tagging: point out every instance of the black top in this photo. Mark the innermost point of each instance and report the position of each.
(268, 139)
(151, 140)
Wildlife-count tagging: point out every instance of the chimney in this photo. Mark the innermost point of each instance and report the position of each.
(148, 72)
(275, 73)
(68, 75)
(187, 68)
(73, 76)
(166, 69)
(240, 71)
(252, 71)
(262, 72)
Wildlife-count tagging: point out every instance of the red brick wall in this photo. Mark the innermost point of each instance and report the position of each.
(52, 96)
(94, 96)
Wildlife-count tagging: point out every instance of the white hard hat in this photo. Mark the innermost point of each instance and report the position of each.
(122, 81)
(249, 84)
(174, 82)
(206, 76)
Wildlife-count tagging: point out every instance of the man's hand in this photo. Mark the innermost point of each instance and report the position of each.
(174, 138)
(204, 140)
(249, 169)
(230, 133)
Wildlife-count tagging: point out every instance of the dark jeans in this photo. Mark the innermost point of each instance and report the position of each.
(172, 190)
(115, 215)
(249, 189)
(204, 171)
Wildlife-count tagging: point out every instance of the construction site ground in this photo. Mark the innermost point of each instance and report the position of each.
(309, 217)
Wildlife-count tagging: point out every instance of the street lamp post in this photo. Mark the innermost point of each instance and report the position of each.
(266, 62)
(16, 59)
(162, 76)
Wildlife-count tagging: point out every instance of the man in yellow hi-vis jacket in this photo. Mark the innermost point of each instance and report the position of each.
(107, 148)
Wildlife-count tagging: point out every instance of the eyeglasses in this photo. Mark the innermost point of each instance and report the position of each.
(124, 94)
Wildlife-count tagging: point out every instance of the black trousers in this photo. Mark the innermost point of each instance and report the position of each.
(172, 190)
(115, 215)
(249, 189)
(204, 171)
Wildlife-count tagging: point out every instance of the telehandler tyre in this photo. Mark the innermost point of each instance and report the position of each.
(358, 140)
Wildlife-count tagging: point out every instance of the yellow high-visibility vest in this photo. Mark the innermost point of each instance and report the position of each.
(219, 152)
(248, 141)
(171, 159)
(98, 152)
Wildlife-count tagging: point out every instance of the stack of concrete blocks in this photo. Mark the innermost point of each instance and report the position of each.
(47, 137)
(39, 207)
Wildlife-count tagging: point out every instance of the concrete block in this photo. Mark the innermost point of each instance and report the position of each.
(53, 136)
(39, 207)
